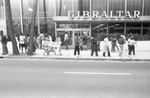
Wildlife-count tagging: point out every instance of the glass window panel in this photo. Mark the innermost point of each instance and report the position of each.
(1, 9)
(116, 28)
(116, 5)
(133, 28)
(15, 9)
(99, 5)
(63, 7)
(146, 7)
(47, 8)
(146, 29)
(99, 28)
(134, 5)
(81, 5)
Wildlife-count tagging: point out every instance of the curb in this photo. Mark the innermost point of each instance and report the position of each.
(73, 58)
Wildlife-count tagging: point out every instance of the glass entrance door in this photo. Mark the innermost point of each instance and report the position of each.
(61, 33)
(71, 33)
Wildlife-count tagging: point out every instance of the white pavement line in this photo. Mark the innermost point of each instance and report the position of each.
(97, 73)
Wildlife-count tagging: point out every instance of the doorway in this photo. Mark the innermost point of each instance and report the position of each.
(71, 33)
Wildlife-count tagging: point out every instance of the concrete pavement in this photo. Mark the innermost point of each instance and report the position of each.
(141, 55)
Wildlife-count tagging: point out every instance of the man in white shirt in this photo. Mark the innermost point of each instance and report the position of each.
(66, 40)
(131, 47)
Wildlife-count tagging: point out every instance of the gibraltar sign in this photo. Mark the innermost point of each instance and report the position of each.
(104, 15)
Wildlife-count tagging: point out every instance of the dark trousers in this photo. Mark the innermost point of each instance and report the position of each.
(66, 44)
(107, 52)
(131, 49)
(92, 52)
(76, 50)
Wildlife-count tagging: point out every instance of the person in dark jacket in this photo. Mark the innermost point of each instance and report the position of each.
(77, 44)
(94, 46)
(4, 43)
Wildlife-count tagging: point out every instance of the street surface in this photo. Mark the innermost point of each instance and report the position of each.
(26, 78)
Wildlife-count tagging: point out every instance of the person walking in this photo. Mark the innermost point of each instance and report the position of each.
(22, 42)
(40, 40)
(77, 44)
(98, 41)
(106, 46)
(94, 46)
(58, 40)
(3, 40)
(121, 42)
(66, 40)
(131, 46)
(81, 42)
(113, 44)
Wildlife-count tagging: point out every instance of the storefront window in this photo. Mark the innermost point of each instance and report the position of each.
(134, 28)
(146, 7)
(116, 28)
(134, 5)
(116, 5)
(99, 5)
(98, 28)
(1, 9)
(146, 28)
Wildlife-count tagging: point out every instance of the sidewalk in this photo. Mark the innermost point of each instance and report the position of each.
(84, 55)
(141, 55)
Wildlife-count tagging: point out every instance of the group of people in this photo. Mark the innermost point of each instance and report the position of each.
(95, 45)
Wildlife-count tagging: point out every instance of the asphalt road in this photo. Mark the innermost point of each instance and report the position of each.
(71, 79)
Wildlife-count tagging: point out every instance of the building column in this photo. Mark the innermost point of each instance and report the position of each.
(21, 14)
(142, 28)
(38, 11)
(125, 28)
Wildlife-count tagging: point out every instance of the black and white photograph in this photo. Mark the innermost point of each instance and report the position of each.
(74, 48)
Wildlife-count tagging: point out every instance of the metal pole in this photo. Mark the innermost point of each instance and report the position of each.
(38, 17)
(21, 14)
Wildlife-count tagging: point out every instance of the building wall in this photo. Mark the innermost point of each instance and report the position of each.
(48, 9)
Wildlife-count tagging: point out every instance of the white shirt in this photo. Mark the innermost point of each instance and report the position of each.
(131, 42)
(66, 37)
(22, 39)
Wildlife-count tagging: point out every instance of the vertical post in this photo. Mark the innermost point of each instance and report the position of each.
(90, 8)
(10, 27)
(107, 29)
(125, 5)
(142, 28)
(5, 31)
(21, 14)
(143, 8)
(55, 16)
(125, 28)
(107, 7)
(38, 17)
(33, 20)
(107, 15)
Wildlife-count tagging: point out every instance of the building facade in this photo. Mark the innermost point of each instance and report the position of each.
(86, 17)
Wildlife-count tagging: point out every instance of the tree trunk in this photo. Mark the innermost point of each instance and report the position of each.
(30, 50)
(10, 27)
(45, 16)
